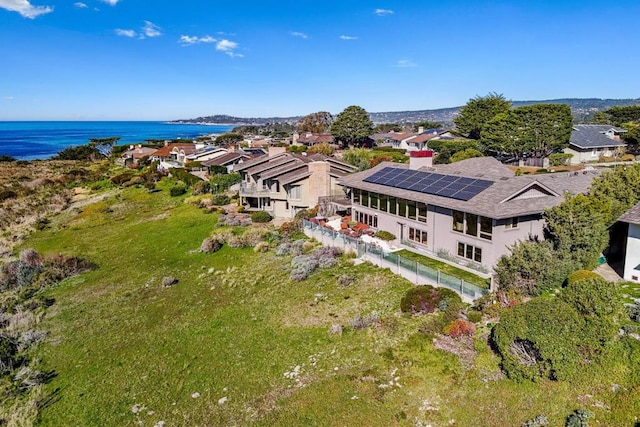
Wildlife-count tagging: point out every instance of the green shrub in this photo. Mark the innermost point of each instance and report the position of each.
(201, 187)
(579, 418)
(539, 339)
(559, 159)
(420, 299)
(580, 275)
(178, 190)
(385, 235)
(121, 179)
(221, 200)
(187, 178)
(240, 209)
(260, 216)
(474, 316)
(7, 194)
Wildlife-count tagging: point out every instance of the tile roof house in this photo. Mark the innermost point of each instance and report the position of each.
(632, 246)
(411, 141)
(310, 139)
(285, 183)
(590, 142)
(173, 155)
(133, 154)
(474, 209)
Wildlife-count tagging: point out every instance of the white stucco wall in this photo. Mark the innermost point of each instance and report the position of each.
(632, 258)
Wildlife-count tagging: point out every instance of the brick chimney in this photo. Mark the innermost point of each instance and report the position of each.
(420, 159)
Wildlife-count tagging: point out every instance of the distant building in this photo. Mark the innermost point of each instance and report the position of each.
(284, 183)
(412, 141)
(590, 142)
(134, 154)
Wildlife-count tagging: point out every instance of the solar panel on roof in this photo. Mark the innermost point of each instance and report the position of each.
(455, 187)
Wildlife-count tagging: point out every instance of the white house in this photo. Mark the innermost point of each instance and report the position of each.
(632, 250)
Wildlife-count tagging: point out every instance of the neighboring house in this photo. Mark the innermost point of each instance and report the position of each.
(474, 209)
(590, 142)
(310, 139)
(285, 183)
(134, 154)
(228, 160)
(173, 155)
(206, 152)
(412, 141)
(632, 246)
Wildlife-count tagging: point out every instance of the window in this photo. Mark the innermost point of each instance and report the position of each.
(422, 212)
(402, 207)
(373, 197)
(393, 207)
(370, 220)
(383, 203)
(365, 198)
(458, 221)
(511, 223)
(470, 252)
(486, 227)
(294, 192)
(357, 196)
(411, 206)
(417, 235)
(472, 224)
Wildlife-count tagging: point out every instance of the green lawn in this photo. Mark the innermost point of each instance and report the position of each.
(446, 268)
(631, 291)
(236, 327)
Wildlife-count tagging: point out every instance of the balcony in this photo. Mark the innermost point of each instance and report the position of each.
(253, 189)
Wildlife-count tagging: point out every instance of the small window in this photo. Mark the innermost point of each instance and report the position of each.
(511, 223)
(472, 224)
(486, 227)
(458, 221)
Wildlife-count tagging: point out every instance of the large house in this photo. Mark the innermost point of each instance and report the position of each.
(588, 143)
(283, 183)
(632, 245)
(412, 141)
(474, 209)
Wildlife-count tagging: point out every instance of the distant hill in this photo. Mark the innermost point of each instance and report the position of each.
(583, 110)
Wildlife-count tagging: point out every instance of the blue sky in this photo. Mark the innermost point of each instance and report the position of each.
(161, 60)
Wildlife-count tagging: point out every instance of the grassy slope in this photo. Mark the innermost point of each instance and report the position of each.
(119, 339)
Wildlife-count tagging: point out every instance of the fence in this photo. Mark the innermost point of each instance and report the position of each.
(412, 270)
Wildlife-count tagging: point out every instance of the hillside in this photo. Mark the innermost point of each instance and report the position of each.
(583, 109)
(237, 342)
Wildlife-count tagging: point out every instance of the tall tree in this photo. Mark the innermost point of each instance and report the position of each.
(619, 189)
(617, 116)
(577, 229)
(104, 146)
(353, 126)
(319, 122)
(478, 111)
(537, 130)
(426, 124)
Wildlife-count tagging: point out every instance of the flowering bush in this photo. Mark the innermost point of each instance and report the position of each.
(459, 328)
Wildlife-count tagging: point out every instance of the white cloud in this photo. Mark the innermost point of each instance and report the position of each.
(189, 40)
(348, 38)
(299, 34)
(405, 63)
(150, 30)
(8, 98)
(383, 12)
(125, 33)
(25, 8)
(228, 47)
(110, 2)
(80, 5)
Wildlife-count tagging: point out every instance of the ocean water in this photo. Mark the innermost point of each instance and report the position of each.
(41, 140)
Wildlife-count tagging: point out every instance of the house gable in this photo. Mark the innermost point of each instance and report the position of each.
(531, 191)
